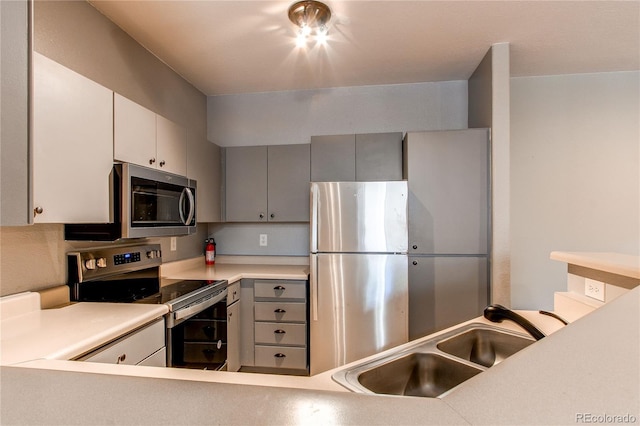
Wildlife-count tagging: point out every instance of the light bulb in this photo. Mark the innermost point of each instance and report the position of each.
(301, 40)
(305, 30)
(322, 36)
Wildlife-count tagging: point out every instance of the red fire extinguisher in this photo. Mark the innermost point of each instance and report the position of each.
(210, 252)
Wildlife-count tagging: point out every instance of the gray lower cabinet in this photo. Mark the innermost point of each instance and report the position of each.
(444, 291)
(267, 183)
(280, 329)
(361, 157)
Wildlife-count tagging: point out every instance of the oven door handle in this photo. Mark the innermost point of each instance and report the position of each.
(189, 194)
(189, 311)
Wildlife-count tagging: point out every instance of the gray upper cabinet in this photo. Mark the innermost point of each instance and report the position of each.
(15, 196)
(448, 178)
(379, 157)
(333, 158)
(288, 183)
(246, 184)
(267, 183)
(203, 165)
(362, 157)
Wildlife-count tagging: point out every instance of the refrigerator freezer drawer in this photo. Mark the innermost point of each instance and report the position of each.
(359, 307)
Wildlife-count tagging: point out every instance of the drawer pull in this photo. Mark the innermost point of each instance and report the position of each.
(279, 287)
(280, 355)
(279, 331)
(280, 311)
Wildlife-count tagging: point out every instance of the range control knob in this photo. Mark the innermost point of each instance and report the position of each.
(90, 264)
(101, 262)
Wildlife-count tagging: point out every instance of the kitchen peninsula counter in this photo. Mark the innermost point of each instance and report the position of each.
(588, 368)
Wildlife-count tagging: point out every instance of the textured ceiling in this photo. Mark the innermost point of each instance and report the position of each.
(228, 47)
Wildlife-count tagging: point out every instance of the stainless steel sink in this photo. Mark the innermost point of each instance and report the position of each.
(417, 374)
(433, 367)
(483, 346)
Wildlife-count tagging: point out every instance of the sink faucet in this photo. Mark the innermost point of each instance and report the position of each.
(497, 313)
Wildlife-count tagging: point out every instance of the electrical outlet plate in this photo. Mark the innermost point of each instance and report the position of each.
(263, 240)
(174, 243)
(594, 289)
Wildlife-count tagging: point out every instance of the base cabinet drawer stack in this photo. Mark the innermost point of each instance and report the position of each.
(281, 325)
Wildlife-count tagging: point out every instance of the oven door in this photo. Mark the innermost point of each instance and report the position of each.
(156, 203)
(197, 334)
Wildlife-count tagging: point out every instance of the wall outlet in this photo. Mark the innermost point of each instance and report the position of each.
(263, 240)
(174, 243)
(594, 289)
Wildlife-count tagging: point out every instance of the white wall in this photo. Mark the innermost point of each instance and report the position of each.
(278, 118)
(575, 182)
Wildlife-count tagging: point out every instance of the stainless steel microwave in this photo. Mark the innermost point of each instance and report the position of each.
(145, 203)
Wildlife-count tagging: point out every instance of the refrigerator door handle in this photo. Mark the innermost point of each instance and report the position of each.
(314, 218)
(313, 277)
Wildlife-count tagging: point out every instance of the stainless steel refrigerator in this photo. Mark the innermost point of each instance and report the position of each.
(358, 269)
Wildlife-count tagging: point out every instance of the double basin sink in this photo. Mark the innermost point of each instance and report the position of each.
(433, 367)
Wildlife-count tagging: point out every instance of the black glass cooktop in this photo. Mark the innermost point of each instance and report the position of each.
(176, 290)
(138, 287)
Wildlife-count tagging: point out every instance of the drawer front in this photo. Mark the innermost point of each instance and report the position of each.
(281, 357)
(281, 333)
(233, 293)
(281, 289)
(206, 353)
(281, 311)
(211, 330)
(133, 348)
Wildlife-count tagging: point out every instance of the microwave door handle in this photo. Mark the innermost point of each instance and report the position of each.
(192, 206)
(189, 194)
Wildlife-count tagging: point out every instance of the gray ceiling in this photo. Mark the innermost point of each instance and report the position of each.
(228, 47)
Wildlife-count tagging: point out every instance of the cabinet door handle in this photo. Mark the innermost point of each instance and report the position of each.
(162, 163)
(415, 247)
(280, 355)
(37, 210)
(121, 358)
(261, 215)
(279, 331)
(273, 215)
(415, 262)
(279, 287)
(152, 160)
(279, 311)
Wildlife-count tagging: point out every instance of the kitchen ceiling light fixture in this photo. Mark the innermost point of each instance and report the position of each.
(311, 16)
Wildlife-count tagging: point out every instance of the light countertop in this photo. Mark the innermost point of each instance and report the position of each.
(226, 269)
(589, 367)
(71, 331)
(616, 263)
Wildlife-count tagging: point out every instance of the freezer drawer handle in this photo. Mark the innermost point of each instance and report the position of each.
(280, 355)
(279, 287)
(279, 331)
(280, 311)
